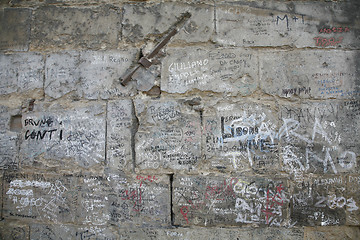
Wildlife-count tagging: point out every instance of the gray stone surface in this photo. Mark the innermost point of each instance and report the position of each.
(141, 21)
(196, 233)
(88, 74)
(88, 199)
(14, 230)
(9, 140)
(310, 74)
(295, 24)
(321, 201)
(14, 29)
(81, 27)
(246, 125)
(62, 232)
(240, 136)
(168, 136)
(331, 233)
(1, 192)
(141, 201)
(319, 137)
(21, 72)
(38, 197)
(62, 73)
(60, 138)
(119, 135)
(225, 70)
(225, 200)
(353, 195)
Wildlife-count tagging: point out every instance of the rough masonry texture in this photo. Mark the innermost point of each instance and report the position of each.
(246, 126)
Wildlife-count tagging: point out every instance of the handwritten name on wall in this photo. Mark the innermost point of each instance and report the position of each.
(61, 135)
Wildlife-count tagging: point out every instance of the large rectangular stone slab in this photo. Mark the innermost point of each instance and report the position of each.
(230, 201)
(1, 192)
(319, 137)
(353, 195)
(322, 200)
(14, 230)
(169, 135)
(119, 128)
(9, 138)
(331, 233)
(88, 74)
(21, 72)
(64, 136)
(39, 197)
(215, 233)
(75, 27)
(88, 199)
(141, 21)
(140, 201)
(310, 74)
(240, 136)
(52, 231)
(14, 29)
(225, 70)
(295, 24)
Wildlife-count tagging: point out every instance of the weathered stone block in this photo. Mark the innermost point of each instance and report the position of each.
(74, 28)
(30, 197)
(39, 231)
(64, 136)
(140, 201)
(214, 201)
(240, 136)
(13, 230)
(310, 74)
(331, 233)
(321, 201)
(92, 200)
(9, 139)
(21, 72)
(62, 74)
(231, 71)
(119, 135)
(141, 21)
(1, 192)
(168, 136)
(195, 233)
(278, 233)
(89, 74)
(353, 194)
(14, 29)
(319, 137)
(295, 24)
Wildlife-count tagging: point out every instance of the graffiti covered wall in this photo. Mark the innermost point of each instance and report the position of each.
(245, 126)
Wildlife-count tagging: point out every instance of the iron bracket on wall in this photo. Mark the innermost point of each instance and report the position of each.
(146, 61)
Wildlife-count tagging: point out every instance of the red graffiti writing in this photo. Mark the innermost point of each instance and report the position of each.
(220, 192)
(133, 195)
(334, 30)
(185, 213)
(146, 178)
(271, 200)
(325, 42)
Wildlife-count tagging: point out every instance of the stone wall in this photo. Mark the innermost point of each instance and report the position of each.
(246, 126)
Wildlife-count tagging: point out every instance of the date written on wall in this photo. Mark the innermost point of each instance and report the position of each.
(333, 41)
(334, 30)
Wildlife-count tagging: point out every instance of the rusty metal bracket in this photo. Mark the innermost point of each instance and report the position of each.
(146, 61)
